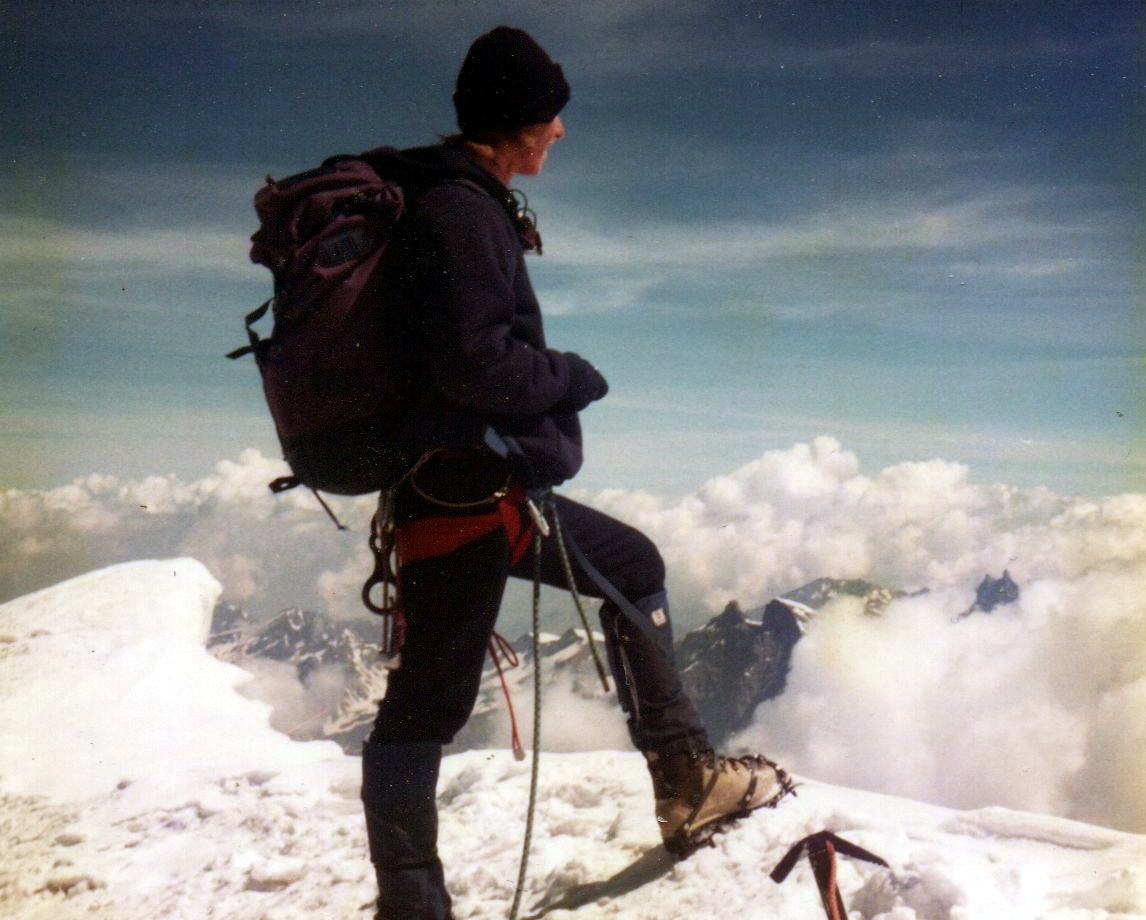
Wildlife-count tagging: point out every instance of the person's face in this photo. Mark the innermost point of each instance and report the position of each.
(533, 145)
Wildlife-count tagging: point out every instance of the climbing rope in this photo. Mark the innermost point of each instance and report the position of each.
(559, 528)
(542, 530)
(531, 808)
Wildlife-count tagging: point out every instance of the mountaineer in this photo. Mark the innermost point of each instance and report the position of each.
(463, 329)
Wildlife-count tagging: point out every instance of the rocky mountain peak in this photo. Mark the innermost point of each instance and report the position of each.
(992, 593)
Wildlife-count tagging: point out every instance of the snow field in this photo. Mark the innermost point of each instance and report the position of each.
(169, 795)
(262, 847)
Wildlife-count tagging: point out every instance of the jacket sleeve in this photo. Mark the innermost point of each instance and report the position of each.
(463, 265)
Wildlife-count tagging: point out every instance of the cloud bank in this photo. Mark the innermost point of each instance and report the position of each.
(797, 514)
(270, 552)
(1038, 706)
(788, 517)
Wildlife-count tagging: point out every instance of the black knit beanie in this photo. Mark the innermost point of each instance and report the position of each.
(507, 81)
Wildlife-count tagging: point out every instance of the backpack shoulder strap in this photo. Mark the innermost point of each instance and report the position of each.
(521, 216)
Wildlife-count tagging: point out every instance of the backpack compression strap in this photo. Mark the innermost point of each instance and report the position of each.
(256, 345)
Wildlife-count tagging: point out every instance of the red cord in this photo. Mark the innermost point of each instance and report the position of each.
(499, 648)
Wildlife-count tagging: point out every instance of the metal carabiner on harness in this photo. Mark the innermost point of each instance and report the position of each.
(384, 575)
(535, 512)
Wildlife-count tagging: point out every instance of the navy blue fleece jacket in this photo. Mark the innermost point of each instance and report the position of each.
(461, 318)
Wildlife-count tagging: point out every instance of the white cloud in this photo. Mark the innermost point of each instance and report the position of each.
(854, 227)
(797, 514)
(983, 219)
(781, 520)
(28, 241)
(776, 522)
(1037, 706)
(270, 550)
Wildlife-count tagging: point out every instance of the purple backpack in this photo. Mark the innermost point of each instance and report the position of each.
(322, 234)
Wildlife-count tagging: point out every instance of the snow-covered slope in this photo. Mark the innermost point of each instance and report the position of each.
(138, 783)
(105, 680)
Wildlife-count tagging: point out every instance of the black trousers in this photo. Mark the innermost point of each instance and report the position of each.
(452, 601)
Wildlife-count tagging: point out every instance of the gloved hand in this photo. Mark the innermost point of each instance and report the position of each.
(586, 385)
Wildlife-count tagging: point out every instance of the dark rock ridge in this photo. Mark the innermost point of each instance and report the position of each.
(992, 593)
(733, 664)
(306, 639)
(729, 666)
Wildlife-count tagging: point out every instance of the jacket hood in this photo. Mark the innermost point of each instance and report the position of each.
(419, 165)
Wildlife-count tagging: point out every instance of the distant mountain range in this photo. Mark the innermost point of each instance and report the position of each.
(729, 666)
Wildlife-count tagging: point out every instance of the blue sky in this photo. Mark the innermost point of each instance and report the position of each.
(914, 226)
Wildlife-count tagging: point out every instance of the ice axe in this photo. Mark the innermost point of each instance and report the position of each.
(822, 849)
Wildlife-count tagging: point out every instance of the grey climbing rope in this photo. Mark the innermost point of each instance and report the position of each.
(559, 528)
(542, 530)
(533, 771)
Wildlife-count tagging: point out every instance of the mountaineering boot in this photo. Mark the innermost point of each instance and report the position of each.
(399, 787)
(698, 793)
